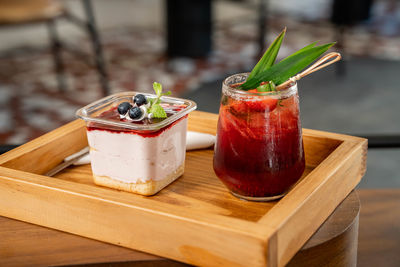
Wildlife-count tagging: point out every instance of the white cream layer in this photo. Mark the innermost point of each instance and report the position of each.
(131, 158)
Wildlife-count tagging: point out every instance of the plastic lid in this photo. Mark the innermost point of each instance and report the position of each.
(91, 112)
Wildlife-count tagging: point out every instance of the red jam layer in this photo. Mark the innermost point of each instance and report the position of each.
(113, 115)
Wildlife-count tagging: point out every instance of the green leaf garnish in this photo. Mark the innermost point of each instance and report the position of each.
(288, 67)
(268, 59)
(275, 74)
(158, 111)
(157, 88)
(304, 48)
(267, 87)
(155, 108)
(151, 101)
(166, 93)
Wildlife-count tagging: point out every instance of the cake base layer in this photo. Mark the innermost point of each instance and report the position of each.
(148, 188)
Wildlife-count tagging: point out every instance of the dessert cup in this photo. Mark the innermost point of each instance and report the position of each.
(140, 157)
(259, 149)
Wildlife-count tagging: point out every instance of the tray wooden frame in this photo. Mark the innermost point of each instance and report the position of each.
(194, 220)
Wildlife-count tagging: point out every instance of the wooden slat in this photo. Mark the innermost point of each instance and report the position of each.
(24, 244)
(47, 151)
(28, 11)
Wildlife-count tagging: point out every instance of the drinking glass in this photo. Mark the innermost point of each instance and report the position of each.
(259, 151)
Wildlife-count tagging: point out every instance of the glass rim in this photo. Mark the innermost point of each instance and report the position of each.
(247, 93)
(87, 112)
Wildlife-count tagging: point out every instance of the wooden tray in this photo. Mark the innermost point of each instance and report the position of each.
(195, 219)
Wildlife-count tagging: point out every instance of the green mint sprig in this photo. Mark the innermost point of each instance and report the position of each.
(266, 87)
(276, 74)
(155, 108)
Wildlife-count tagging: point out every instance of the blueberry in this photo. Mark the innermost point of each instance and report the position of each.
(139, 99)
(124, 107)
(135, 113)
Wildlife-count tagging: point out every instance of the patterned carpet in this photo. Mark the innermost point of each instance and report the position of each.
(30, 103)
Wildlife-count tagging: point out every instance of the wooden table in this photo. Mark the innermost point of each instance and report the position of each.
(379, 232)
(23, 244)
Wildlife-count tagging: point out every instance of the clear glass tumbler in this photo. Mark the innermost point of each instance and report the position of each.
(259, 151)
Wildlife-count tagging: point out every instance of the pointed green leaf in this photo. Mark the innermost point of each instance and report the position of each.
(166, 93)
(157, 88)
(287, 68)
(304, 48)
(269, 57)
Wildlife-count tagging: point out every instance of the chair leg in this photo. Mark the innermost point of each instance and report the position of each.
(98, 52)
(56, 50)
(262, 26)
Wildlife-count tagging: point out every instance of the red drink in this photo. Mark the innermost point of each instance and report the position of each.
(259, 152)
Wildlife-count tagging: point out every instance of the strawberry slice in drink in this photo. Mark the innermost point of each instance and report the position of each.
(263, 103)
(234, 122)
(259, 104)
(267, 104)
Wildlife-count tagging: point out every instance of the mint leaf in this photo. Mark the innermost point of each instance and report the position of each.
(158, 111)
(153, 101)
(156, 101)
(268, 59)
(267, 87)
(167, 93)
(157, 88)
(155, 108)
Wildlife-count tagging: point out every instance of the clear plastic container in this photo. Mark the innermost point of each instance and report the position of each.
(139, 157)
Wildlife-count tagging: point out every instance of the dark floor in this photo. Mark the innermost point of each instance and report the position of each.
(364, 101)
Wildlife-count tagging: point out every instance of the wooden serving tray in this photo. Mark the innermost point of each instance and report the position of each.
(193, 220)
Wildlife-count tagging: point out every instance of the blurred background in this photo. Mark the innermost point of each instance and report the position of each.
(57, 56)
